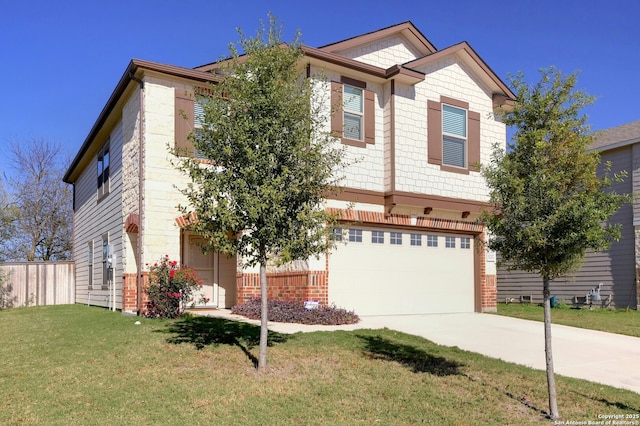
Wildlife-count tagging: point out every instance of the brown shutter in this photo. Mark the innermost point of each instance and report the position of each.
(369, 117)
(336, 109)
(434, 132)
(473, 141)
(183, 121)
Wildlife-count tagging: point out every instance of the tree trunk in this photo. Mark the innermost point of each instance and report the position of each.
(551, 380)
(264, 316)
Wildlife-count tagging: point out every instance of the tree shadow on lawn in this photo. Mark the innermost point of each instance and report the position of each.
(421, 361)
(619, 405)
(205, 331)
(416, 359)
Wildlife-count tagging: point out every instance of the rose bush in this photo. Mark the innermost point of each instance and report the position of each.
(170, 287)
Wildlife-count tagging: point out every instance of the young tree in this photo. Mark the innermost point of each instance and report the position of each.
(550, 205)
(8, 215)
(42, 200)
(271, 161)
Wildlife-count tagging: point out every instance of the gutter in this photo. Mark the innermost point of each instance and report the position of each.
(139, 243)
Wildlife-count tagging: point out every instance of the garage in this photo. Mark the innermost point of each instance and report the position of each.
(382, 271)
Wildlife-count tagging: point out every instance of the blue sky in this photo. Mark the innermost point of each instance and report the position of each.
(61, 60)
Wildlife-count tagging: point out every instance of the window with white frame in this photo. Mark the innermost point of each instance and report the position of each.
(355, 235)
(450, 242)
(105, 263)
(377, 237)
(416, 239)
(454, 136)
(198, 120)
(465, 242)
(336, 234)
(432, 241)
(90, 261)
(395, 238)
(103, 171)
(353, 107)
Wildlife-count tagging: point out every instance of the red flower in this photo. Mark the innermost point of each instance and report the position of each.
(172, 273)
(176, 295)
(169, 295)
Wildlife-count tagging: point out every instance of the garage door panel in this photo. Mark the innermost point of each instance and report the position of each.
(377, 279)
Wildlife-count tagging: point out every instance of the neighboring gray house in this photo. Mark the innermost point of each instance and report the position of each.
(618, 268)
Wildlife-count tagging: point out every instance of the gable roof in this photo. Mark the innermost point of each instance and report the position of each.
(616, 137)
(502, 95)
(407, 29)
(467, 55)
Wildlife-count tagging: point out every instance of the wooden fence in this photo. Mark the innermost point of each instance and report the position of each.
(40, 283)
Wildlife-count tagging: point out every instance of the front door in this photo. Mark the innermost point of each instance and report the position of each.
(216, 271)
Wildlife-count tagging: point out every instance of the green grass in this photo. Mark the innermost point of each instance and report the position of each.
(609, 320)
(79, 365)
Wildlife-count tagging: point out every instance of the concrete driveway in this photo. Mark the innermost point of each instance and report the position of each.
(611, 359)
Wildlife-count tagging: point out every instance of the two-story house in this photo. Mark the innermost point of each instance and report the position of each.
(419, 120)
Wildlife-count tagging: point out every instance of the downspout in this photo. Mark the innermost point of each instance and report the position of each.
(140, 245)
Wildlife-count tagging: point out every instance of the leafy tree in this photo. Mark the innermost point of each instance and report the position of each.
(8, 215)
(550, 204)
(271, 162)
(42, 200)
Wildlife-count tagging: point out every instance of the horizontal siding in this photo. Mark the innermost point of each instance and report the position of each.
(614, 268)
(92, 219)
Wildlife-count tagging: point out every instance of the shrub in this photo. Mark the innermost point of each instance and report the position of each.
(170, 288)
(295, 312)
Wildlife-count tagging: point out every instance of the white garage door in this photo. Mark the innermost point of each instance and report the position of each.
(390, 272)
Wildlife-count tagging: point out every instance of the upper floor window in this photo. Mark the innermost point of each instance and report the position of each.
(353, 112)
(103, 171)
(336, 234)
(353, 106)
(454, 136)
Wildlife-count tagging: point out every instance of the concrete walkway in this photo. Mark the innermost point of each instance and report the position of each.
(607, 358)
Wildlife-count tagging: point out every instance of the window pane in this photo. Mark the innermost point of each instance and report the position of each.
(352, 126)
(352, 100)
(416, 239)
(396, 238)
(432, 241)
(465, 242)
(454, 121)
(355, 235)
(377, 237)
(450, 242)
(453, 151)
(198, 114)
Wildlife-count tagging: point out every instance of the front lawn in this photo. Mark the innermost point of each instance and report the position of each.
(79, 365)
(613, 321)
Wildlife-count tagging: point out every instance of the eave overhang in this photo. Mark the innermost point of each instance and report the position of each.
(135, 70)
